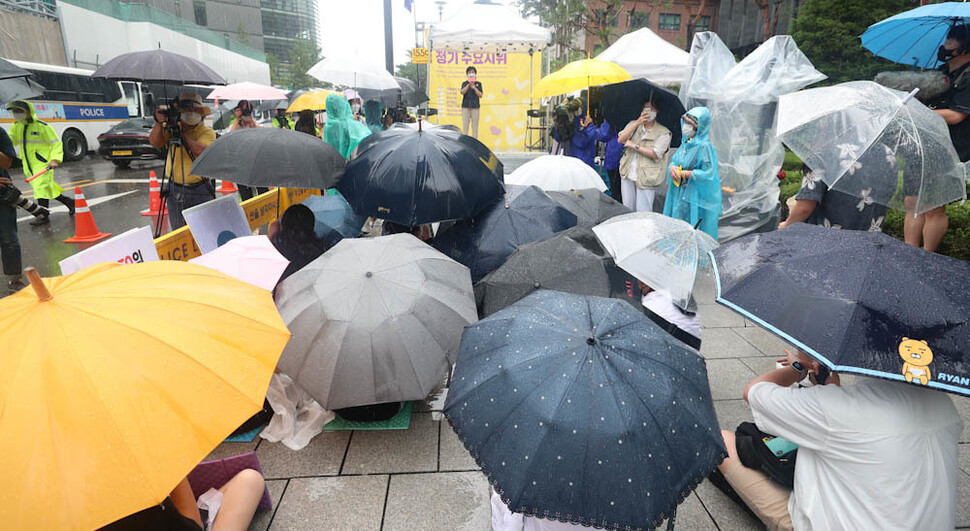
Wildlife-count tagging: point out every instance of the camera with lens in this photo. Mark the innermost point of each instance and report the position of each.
(399, 112)
(172, 117)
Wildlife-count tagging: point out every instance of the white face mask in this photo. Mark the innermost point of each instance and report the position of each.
(650, 115)
(191, 118)
(688, 130)
(19, 116)
(355, 107)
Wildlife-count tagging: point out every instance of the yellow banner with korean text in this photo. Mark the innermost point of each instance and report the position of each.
(507, 81)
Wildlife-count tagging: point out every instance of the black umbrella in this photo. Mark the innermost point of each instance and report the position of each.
(526, 214)
(859, 302)
(159, 66)
(270, 156)
(412, 177)
(409, 92)
(591, 206)
(572, 261)
(579, 409)
(622, 103)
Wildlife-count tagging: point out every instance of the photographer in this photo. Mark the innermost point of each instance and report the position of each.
(182, 130)
(9, 243)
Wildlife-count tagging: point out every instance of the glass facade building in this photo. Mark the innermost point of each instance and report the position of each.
(284, 21)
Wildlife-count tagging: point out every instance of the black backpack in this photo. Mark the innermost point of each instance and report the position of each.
(756, 455)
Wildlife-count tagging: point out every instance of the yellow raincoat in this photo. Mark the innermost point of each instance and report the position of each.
(38, 145)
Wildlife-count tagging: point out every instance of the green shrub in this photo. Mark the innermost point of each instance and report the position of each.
(956, 242)
(792, 162)
(791, 184)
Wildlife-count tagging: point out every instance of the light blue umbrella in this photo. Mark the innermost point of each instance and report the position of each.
(335, 220)
(913, 37)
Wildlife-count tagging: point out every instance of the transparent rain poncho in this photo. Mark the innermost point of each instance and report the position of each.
(875, 143)
(743, 100)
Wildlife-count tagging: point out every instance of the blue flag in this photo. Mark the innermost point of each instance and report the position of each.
(407, 4)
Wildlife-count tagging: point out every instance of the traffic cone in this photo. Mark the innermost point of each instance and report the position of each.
(154, 196)
(227, 187)
(85, 229)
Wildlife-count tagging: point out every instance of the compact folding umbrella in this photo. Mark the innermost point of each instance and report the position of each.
(663, 252)
(270, 156)
(913, 37)
(374, 320)
(314, 100)
(572, 261)
(335, 220)
(878, 144)
(557, 173)
(246, 90)
(591, 206)
(524, 215)
(412, 177)
(131, 400)
(252, 259)
(579, 75)
(621, 103)
(579, 409)
(159, 66)
(859, 302)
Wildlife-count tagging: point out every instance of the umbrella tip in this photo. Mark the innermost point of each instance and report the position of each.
(590, 341)
(368, 274)
(37, 283)
(536, 285)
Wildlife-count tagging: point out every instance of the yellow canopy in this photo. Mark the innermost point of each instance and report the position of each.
(116, 387)
(579, 75)
(315, 100)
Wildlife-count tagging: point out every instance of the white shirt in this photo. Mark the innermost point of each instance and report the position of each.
(873, 455)
(661, 305)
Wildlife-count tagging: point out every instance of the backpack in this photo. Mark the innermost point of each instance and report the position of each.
(754, 452)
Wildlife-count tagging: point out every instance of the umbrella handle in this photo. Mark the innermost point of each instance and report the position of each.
(910, 95)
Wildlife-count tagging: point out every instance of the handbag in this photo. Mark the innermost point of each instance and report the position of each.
(774, 456)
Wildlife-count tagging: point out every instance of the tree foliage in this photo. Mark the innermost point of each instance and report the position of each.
(275, 70)
(828, 31)
(414, 72)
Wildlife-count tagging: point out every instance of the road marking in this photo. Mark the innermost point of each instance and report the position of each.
(88, 182)
(91, 202)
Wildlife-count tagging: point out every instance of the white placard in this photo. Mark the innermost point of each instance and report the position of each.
(134, 246)
(210, 220)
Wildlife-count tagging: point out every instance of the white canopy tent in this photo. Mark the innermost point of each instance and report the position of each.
(488, 28)
(644, 54)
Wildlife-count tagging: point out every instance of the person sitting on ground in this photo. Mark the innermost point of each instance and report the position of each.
(642, 168)
(678, 322)
(694, 183)
(877, 454)
(307, 123)
(179, 511)
(817, 204)
(294, 237)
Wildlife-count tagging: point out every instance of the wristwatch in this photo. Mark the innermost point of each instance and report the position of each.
(799, 367)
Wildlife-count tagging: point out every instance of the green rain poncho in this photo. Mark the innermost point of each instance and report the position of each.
(38, 145)
(374, 111)
(341, 130)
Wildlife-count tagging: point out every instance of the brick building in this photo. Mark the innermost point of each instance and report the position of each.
(667, 18)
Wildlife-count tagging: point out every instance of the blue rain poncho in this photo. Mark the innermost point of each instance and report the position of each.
(698, 201)
(341, 130)
(373, 113)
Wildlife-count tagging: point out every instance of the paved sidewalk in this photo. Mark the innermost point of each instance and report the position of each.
(423, 479)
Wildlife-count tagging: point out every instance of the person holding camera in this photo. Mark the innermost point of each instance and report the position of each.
(181, 129)
(471, 91)
(244, 116)
(281, 120)
(40, 149)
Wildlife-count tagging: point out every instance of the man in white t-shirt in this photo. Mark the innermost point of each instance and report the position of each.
(874, 455)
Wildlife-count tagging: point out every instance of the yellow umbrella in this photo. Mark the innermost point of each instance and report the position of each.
(579, 75)
(120, 382)
(315, 100)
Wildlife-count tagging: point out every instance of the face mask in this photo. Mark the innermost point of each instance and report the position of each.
(20, 116)
(688, 130)
(355, 107)
(650, 115)
(191, 118)
(944, 55)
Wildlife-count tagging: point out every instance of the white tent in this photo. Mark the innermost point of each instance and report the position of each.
(644, 54)
(488, 28)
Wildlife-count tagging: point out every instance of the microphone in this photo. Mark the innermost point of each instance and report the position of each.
(932, 84)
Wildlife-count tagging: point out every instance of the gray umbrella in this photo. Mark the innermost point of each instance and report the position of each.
(159, 66)
(270, 156)
(19, 88)
(409, 92)
(591, 206)
(374, 320)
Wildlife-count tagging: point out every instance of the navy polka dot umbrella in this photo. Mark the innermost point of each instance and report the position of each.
(581, 410)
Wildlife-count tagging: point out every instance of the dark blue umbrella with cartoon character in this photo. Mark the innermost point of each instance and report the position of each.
(582, 410)
(859, 302)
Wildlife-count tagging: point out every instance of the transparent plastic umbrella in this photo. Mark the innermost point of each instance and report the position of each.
(662, 252)
(557, 173)
(875, 143)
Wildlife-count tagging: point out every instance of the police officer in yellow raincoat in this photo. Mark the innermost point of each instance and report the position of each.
(39, 148)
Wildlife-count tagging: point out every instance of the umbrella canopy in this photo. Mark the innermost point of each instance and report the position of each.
(579, 75)
(580, 409)
(354, 71)
(590, 206)
(130, 402)
(645, 54)
(19, 88)
(335, 220)
(913, 37)
(9, 70)
(252, 259)
(415, 177)
(270, 156)
(246, 91)
(873, 142)
(374, 320)
(572, 261)
(488, 27)
(621, 103)
(557, 173)
(526, 214)
(662, 252)
(159, 66)
(859, 302)
(315, 100)
(409, 93)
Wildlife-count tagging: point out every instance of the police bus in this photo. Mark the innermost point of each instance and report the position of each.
(80, 107)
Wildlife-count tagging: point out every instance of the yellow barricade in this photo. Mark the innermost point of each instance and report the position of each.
(260, 210)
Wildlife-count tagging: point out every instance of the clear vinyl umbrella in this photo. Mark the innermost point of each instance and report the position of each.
(878, 144)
